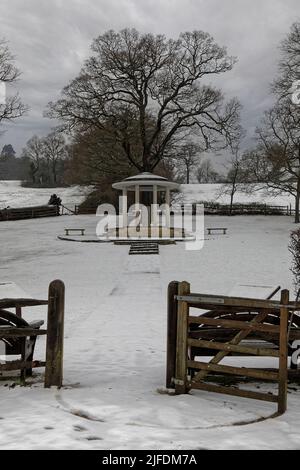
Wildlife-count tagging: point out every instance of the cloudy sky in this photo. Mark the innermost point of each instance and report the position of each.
(51, 38)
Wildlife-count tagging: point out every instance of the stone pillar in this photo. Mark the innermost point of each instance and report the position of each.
(168, 202)
(137, 196)
(154, 217)
(124, 207)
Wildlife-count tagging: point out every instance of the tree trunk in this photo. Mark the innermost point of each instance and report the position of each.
(54, 173)
(297, 197)
(231, 202)
(297, 206)
(187, 176)
(146, 163)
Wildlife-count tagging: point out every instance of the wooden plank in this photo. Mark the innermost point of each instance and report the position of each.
(234, 391)
(230, 301)
(223, 334)
(19, 312)
(23, 358)
(256, 304)
(10, 332)
(14, 303)
(283, 353)
(293, 374)
(239, 325)
(171, 333)
(243, 371)
(55, 336)
(18, 365)
(181, 343)
(252, 350)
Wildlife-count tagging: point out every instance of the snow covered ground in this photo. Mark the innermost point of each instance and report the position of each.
(12, 194)
(213, 192)
(115, 340)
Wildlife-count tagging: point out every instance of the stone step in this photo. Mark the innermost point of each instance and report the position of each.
(144, 252)
(153, 248)
(144, 248)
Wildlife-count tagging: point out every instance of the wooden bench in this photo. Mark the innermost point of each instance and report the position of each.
(209, 230)
(81, 230)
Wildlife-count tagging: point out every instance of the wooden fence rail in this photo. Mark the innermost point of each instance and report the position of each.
(30, 212)
(184, 341)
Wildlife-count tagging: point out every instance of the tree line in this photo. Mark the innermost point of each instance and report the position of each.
(42, 161)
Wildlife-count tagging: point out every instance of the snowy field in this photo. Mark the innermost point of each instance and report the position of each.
(12, 194)
(215, 193)
(115, 340)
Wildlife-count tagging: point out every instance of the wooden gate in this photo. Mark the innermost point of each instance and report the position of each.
(16, 329)
(220, 331)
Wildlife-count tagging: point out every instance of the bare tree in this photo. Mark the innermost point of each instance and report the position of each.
(54, 151)
(34, 152)
(287, 81)
(186, 158)
(275, 163)
(11, 106)
(158, 84)
(206, 173)
(235, 178)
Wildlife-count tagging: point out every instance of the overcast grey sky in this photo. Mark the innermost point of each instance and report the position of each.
(51, 38)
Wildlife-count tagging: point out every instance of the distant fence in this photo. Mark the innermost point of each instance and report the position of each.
(212, 208)
(28, 212)
(85, 210)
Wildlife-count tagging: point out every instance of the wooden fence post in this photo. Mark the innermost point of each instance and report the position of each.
(171, 333)
(55, 334)
(181, 343)
(283, 352)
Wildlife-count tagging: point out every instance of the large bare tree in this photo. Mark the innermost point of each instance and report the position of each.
(54, 149)
(159, 85)
(186, 158)
(34, 152)
(235, 178)
(287, 82)
(11, 106)
(206, 173)
(45, 156)
(275, 163)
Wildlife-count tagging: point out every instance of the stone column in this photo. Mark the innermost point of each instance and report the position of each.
(124, 207)
(154, 218)
(168, 202)
(137, 196)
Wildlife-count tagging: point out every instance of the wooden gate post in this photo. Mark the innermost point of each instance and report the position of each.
(171, 333)
(55, 334)
(181, 343)
(283, 352)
